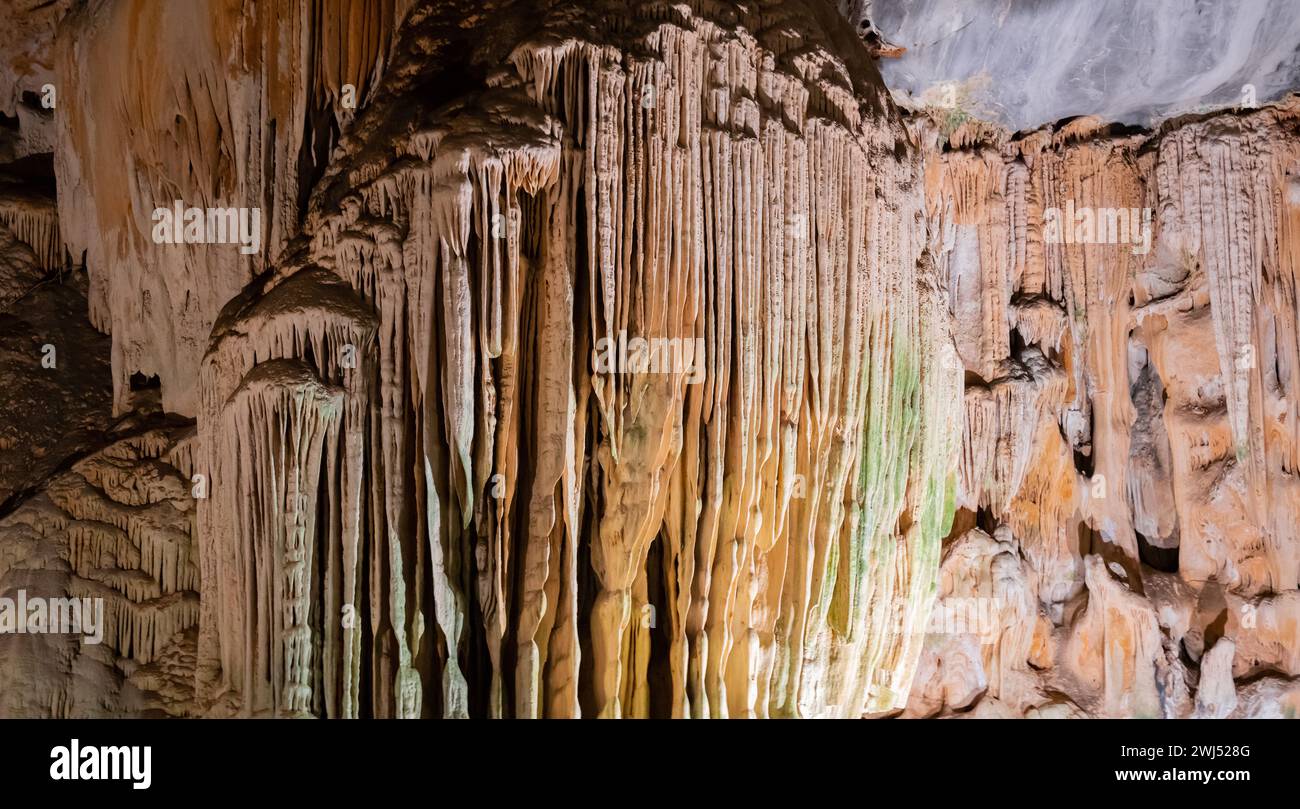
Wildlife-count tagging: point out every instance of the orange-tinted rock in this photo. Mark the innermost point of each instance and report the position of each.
(1144, 459)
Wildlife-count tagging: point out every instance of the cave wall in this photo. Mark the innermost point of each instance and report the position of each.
(632, 359)
(1128, 454)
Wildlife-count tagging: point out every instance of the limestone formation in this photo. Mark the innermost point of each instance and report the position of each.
(1130, 398)
(540, 358)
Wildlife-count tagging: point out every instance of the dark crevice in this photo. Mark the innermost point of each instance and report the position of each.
(1215, 630)
(1083, 462)
(1162, 559)
(141, 382)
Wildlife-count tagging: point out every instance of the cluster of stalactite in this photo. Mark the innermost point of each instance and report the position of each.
(33, 220)
(433, 497)
(211, 106)
(640, 360)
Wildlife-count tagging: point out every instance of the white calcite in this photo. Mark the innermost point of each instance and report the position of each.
(1028, 64)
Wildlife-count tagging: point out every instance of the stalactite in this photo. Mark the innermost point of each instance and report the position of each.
(214, 108)
(281, 419)
(509, 261)
(34, 222)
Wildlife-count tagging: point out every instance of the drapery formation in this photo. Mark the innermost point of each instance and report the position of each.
(640, 388)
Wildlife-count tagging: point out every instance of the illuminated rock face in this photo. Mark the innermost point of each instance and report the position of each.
(642, 360)
(210, 103)
(604, 373)
(1130, 408)
(112, 538)
(528, 516)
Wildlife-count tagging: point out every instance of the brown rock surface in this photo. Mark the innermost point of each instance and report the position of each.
(1130, 402)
